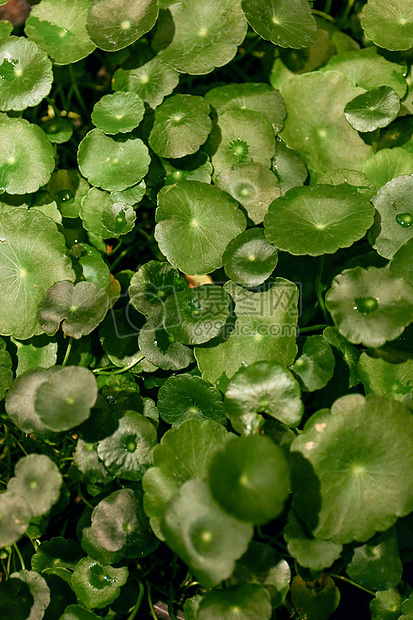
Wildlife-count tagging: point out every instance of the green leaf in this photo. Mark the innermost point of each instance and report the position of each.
(206, 35)
(256, 97)
(77, 309)
(37, 479)
(387, 605)
(262, 564)
(59, 28)
(112, 163)
(38, 589)
(252, 185)
(115, 24)
(26, 157)
(394, 223)
(195, 223)
(6, 27)
(119, 523)
(58, 130)
(160, 348)
(393, 380)
(68, 188)
(127, 452)
(64, 400)
(401, 265)
(151, 82)
(87, 461)
(389, 24)
(309, 552)
(264, 330)
(94, 269)
(152, 284)
(196, 441)
(387, 164)
(76, 612)
(15, 516)
(196, 315)
(247, 601)
(376, 565)
(318, 220)
(315, 366)
(25, 72)
(250, 479)
(263, 387)
(351, 177)
(249, 258)
(119, 112)
(357, 455)
(317, 599)
(16, 599)
(348, 351)
(376, 108)
(130, 196)
(240, 136)
(181, 126)
(205, 537)
(104, 218)
(288, 167)
(95, 585)
(32, 258)
(6, 373)
(287, 23)
(370, 306)
(316, 126)
(57, 556)
(186, 397)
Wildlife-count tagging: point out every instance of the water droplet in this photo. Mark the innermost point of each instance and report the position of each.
(365, 305)
(404, 219)
(65, 196)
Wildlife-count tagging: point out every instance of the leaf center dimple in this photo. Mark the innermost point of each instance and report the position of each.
(404, 219)
(365, 305)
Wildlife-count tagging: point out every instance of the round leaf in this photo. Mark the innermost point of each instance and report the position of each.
(205, 537)
(250, 479)
(38, 589)
(119, 112)
(95, 585)
(289, 168)
(287, 23)
(185, 397)
(78, 309)
(67, 188)
(374, 109)
(358, 455)
(127, 453)
(249, 258)
(196, 315)
(181, 125)
(58, 130)
(32, 258)
(317, 599)
(104, 218)
(315, 367)
(151, 82)
(25, 72)
(351, 177)
(393, 380)
(26, 157)
(401, 265)
(252, 185)
(152, 284)
(112, 164)
(64, 400)
(370, 305)
(15, 516)
(115, 24)
(59, 28)
(247, 601)
(195, 223)
(387, 164)
(37, 479)
(161, 349)
(389, 24)
(318, 220)
(206, 35)
(263, 387)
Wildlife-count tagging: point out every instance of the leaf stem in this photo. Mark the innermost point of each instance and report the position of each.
(82, 497)
(351, 583)
(148, 587)
(327, 6)
(77, 91)
(312, 328)
(67, 354)
(131, 365)
(346, 11)
(323, 14)
(319, 291)
(23, 565)
(138, 602)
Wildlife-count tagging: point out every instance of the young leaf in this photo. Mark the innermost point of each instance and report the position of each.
(387, 164)
(206, 35)
(186, 397)
(287, 23)
(315, 366)
(26, 74)
(118, 113)
(318, 220)
(389, 24)
(56, 556)
(37, 479)
(249, 258)
(87, 461)
(181, 126)
(387, 605)
(68, 188)
(151, 82)
(152, 284)
(391, 379)
(59, 28)
(203, 535)
(349, 352)
(317, 599)
(246, 601)
(195, 223)
(95, 585)
(58, 130)
(375, 108)
(160, 348)
(370, 305)
(309, 552)
(15, 516)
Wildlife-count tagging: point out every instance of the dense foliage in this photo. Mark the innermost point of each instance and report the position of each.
(206, 285)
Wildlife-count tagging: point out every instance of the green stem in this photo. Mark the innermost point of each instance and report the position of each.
(327, 6)
(138, 602)
(319, 291)
(346, 11)
(105, 368)
(82, 497)
(118, 259)
(171, 606)
(148, 587)
(126, 368)
(69, 348)
(77, 91)
(23, 565)
(324, 15)
(312, 328)
(351, 583)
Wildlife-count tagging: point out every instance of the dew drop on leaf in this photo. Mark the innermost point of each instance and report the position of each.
(65, 196)
(365, 305)
(404, 219)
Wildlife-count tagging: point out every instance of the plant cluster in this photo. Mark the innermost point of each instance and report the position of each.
(206, 283)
